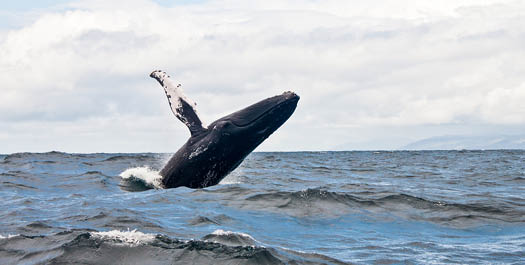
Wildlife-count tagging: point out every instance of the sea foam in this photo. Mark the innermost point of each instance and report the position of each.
(7, 236)
(148, 176)
(230, 238)
(130, 237)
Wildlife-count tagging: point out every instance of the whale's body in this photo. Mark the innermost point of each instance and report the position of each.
(214, 151)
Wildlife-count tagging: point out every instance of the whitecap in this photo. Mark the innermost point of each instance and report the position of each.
(220, 232)
(230, 238)
(146, 175)
(130, 237)
(8, 236)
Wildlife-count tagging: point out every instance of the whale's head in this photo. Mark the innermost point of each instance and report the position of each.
(256, 122)
(242, 131)
(271, 111)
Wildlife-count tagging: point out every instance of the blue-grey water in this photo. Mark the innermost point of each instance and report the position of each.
(402, 207)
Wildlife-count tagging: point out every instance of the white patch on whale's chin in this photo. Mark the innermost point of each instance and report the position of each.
(149, 176)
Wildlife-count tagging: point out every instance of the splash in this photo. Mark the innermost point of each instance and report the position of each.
(130, 237)
(8, 236)
(147, 176)
(230, 179)
(220, 232)
(230, 238)
(235, 177)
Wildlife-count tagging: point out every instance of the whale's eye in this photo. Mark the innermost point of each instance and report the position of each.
(223, 125)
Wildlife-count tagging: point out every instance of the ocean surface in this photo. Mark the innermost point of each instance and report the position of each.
(401, 207)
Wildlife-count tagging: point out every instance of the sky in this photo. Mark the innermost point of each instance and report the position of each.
(372, 75)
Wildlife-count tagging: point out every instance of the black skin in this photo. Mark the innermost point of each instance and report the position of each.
(211, 154)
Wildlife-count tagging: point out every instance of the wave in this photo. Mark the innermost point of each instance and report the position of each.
(17, 185)
(133, 157)
(16, 156)
(140, 179)
(135, 247)
(230, 238)
(217, 220)
(320, 202)
(92, 172)
(8, 236)
(203, 220)
(131, 238)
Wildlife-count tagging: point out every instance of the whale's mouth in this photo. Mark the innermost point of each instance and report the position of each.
(257, 111)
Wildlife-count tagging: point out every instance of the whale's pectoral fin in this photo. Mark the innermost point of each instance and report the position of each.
(187, 113)
(183, 108)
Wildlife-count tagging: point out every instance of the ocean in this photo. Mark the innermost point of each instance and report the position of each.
(362, 207)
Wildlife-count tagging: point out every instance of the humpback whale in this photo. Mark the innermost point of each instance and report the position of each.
(213, 151)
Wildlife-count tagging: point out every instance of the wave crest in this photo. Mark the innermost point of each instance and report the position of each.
(135, 247)
(131, 238)
(140, 179)
(320, 202)
(230, 238)
(7, 236)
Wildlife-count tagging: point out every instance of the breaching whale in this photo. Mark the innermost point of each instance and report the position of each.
(215, 150)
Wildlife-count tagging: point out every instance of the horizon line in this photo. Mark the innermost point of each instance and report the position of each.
(295, 151)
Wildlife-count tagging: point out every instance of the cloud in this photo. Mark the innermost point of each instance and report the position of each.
(81, 71)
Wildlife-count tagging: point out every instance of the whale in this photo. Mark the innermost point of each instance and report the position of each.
(215, 150)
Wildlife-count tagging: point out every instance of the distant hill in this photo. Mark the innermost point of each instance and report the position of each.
(454, 142)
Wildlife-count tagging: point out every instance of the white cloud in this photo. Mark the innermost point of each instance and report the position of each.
(81, 73)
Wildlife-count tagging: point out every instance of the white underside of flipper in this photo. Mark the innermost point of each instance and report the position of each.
(184, 108)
